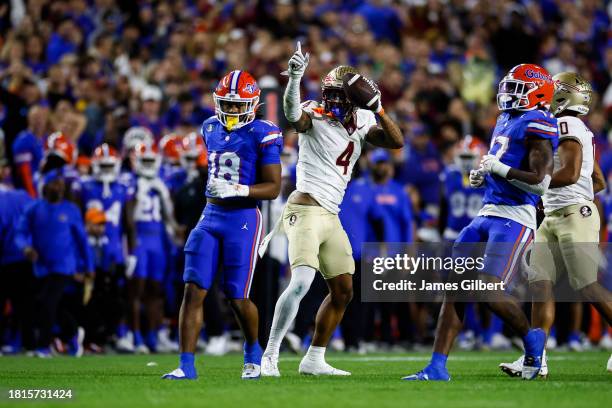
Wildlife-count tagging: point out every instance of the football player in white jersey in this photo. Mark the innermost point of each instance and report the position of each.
(331, 136)
(572, 222)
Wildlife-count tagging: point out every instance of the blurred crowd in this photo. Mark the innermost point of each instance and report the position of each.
(88, 71)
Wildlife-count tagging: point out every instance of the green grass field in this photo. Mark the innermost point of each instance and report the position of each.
(131, 381)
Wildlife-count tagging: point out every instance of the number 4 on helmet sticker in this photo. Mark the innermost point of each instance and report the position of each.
(344, 160)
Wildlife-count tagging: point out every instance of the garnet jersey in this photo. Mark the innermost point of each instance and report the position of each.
(237, 156)
(462, 201)
(327, 154)
(572, 128)
(112, 202)
(508, 143)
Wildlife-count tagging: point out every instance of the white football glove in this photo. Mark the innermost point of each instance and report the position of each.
(298, 63)
(490, 164)
(225, 189)
(476, 178)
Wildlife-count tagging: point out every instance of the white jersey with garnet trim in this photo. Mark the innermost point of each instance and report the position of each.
(327, 154)
(573, 128)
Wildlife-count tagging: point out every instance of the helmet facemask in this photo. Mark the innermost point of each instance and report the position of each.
(466, 161)
(106, 169)
(234, 112)
(513, 94)
(336, 103)
(147, 165)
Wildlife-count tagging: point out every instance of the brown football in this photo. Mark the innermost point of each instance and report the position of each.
(360, 90)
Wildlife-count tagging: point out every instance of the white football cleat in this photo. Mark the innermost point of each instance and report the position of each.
(218, 345)
(575, 345)
(164, 343)
(606, 342)
(515, 369)
(142, 349)
(125, 344)
(309, 367)
(500, 342)
(610, 364)
(177, 374)
(251, 371)
(294, 342)
(269, 366)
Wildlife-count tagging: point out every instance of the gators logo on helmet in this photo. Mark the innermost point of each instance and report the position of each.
(525, 87)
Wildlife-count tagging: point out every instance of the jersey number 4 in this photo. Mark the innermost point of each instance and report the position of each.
(344, 160)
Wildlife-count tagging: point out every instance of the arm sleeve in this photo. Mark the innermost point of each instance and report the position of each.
(25, 174)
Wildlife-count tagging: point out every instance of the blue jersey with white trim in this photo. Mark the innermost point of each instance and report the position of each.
(508, 143)
(112, 201)
(463, 201)
(237, 156)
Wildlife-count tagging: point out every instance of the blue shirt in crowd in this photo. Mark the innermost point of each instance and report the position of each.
(57, 233)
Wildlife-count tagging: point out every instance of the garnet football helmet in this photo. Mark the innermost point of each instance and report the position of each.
(237, 90)
(525, 87)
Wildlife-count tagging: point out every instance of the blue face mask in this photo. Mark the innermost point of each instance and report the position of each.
(339, 112)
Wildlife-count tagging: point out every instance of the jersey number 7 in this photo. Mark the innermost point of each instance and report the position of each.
(501, 142)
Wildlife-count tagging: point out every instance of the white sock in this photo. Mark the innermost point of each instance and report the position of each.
(287, 306)
(316, 354)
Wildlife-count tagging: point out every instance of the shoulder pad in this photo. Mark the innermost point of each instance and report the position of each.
(264, 126)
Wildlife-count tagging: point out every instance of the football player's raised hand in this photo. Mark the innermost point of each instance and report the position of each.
(476, 178)
(298, 63)
(224, 189)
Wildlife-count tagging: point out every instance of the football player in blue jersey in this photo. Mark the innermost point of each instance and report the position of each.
(461, 203)
(243, 167)
(461, 200)
(154, 224)
(516, 172)
(104, 193)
